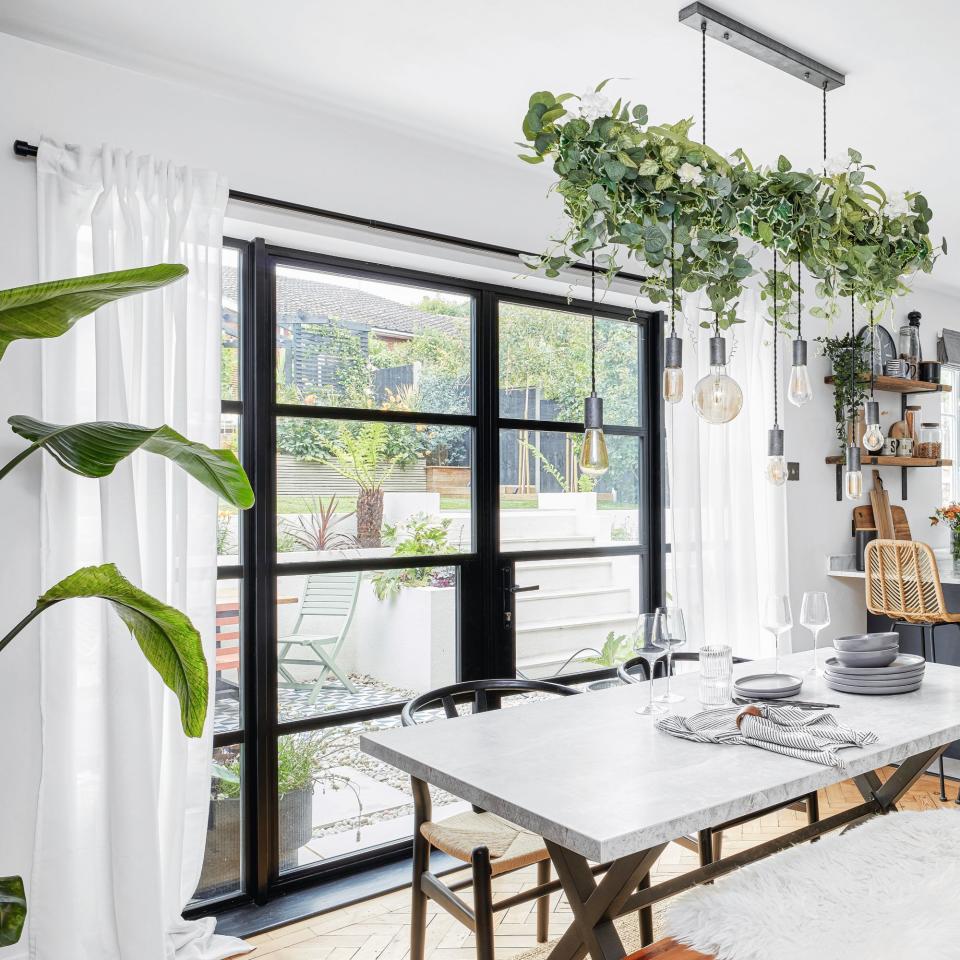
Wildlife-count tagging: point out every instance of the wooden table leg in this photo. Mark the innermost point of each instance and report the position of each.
(595, 904)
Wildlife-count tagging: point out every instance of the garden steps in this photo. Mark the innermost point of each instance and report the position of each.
(561, 604)
(544, 645)
(553, 575)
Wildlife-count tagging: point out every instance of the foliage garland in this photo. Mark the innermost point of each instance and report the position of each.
(627, 185)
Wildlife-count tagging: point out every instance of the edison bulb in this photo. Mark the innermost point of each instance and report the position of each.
(854, 484)
(673, 384)
(799, 390)
(776, 470)
(594, 461)
(873, 438)
(717, 397)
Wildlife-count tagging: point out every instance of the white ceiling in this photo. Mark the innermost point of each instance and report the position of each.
(462, 72)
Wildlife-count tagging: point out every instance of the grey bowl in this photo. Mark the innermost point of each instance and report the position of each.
(867, 658)
(863, 642)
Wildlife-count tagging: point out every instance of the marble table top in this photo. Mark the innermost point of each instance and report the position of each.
(594, 776)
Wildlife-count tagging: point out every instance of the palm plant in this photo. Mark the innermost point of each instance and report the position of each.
(168, 639)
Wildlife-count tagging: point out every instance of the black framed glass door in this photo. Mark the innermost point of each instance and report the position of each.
(412, 441)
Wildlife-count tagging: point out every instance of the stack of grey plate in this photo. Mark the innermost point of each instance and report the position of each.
(871, 663)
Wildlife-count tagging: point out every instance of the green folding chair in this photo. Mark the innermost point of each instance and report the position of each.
(330, 597)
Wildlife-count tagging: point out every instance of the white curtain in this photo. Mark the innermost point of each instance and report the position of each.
(124, 794)
(727, 525)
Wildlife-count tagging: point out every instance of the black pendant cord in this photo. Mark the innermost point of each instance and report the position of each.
(775, 410)
(824, 127)
(593, 323)
(853, 368)
(799, 302)
(873, 352)
(703, 80)
(673, 282)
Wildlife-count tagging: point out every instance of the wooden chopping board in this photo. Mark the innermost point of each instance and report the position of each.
(882, 515)
(863, 520)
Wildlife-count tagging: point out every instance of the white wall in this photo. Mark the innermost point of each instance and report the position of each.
(818, 524)
(329, 161)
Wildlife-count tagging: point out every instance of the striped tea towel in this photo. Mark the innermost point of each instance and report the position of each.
(787, 730)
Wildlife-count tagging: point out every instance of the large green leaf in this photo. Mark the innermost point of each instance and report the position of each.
(94, 449)
(13, 910)
(166, 636)
(51, 309)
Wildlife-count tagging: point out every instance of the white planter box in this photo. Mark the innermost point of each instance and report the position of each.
(409, 641)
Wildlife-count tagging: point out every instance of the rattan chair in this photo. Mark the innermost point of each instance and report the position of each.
(491, 845)
(903, 583)
(708, 843)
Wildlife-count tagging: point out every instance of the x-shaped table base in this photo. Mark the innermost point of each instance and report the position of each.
(595, 904)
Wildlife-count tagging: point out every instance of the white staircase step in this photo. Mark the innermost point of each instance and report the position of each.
(546, 542)
(566, 574)
(550, 639)
(609, 621)
(562, 604)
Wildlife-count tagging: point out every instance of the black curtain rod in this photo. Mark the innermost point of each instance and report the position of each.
(24, 149)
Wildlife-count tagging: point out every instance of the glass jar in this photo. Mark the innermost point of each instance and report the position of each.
(929, 441)
(909, 342)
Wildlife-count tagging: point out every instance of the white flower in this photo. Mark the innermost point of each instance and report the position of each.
(899, 206)
(838, 163)
(594, 105)
(690, 173)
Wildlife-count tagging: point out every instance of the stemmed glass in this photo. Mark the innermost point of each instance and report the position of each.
(778, 619)
(815, 615)
(647, 644)
(672, 635)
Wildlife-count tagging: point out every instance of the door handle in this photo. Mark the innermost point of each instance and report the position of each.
(516, 589)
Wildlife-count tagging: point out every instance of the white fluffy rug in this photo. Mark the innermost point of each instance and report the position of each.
(887, 890)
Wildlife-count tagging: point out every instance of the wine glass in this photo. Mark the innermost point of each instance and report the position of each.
(672, 635)
(778, 619)
(647, 644)
(815, 615)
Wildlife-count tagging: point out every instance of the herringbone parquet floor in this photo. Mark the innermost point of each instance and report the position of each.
(379, 929)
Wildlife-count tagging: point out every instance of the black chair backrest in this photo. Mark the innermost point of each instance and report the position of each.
(483, 694)
(636, 670)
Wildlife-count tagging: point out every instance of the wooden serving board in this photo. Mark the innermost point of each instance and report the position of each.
(863, 520)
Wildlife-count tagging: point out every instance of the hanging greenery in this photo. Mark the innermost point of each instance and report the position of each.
(625, 183)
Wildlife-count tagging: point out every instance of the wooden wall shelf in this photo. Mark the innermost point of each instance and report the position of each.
(866, 460)
(902, 385)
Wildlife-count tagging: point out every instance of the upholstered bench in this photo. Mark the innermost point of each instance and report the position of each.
(883, 890)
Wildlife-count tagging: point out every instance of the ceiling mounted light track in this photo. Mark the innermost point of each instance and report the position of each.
(758, 45)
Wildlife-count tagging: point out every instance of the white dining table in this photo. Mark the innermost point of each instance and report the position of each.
(601, 784)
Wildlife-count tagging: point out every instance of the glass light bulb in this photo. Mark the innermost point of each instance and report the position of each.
(873, 438)
(594, 461)
(776, 470)
(673, 384)
(854, 484)
(800, 390)
(717, 398)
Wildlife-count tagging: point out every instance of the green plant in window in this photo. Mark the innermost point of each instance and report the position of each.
(417, 536)
(616, 648)
(169, 641)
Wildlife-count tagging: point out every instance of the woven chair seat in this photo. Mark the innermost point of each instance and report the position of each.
(510, 847)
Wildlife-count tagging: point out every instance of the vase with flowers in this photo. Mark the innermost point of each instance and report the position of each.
(950, 515)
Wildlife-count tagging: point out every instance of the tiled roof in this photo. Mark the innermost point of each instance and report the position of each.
(303, 301)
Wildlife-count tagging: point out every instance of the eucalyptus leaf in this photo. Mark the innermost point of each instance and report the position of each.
(94, 449)
(45, 310)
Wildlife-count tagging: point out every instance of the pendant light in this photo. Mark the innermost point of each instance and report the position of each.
(717, 397)
(853, 480)
(673, 365)
(776, 467)
(799, 390)
(873, 438)
(594, 461)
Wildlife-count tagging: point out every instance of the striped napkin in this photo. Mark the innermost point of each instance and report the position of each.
(787, 730)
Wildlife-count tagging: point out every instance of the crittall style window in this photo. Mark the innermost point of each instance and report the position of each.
(421, 518)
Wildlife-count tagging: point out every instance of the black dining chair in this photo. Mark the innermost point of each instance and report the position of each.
(491, 845)
(708, 843)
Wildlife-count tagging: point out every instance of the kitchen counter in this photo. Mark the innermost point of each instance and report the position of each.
(843, 567)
